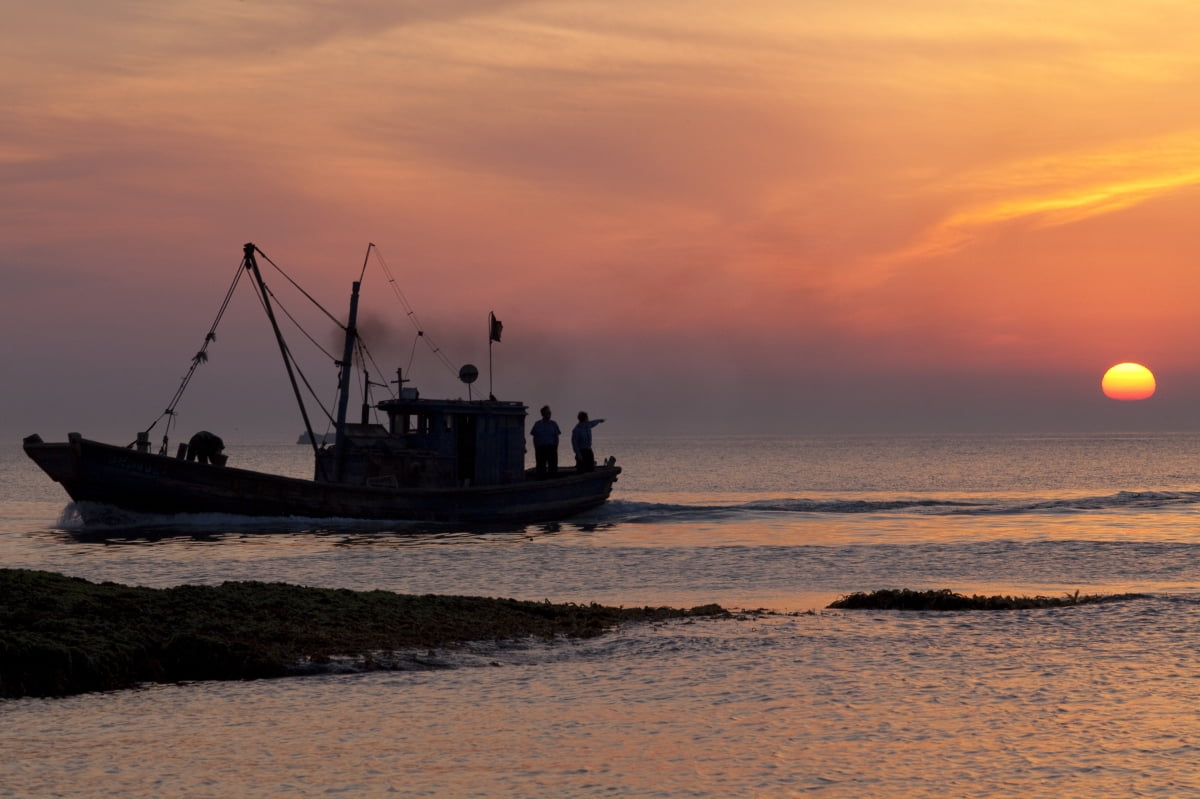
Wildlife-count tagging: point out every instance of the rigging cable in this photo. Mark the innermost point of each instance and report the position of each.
(300, 327)
(305, 333)
(288, 350)
(298, 288)
(412, 355)
(200, 357)
(412, 316)
(364, 353)
(365, 356)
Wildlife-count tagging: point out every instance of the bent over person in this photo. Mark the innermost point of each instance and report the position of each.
(205, 447)
(545, 435)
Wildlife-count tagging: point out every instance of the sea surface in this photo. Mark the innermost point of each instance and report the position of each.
(1089, 701)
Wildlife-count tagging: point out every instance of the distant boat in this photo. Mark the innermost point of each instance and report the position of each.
(323, 439)
(435, 460)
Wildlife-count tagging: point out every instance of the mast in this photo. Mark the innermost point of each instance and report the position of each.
(252, 265)
(339, 445)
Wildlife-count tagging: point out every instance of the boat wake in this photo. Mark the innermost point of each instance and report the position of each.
(107, 522)
(112, 524)
(650, 512)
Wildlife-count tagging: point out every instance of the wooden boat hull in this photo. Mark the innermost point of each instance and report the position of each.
(100, 476)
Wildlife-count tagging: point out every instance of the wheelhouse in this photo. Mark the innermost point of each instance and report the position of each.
(431, 443)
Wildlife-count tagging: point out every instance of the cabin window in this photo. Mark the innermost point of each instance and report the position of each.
(419, 423)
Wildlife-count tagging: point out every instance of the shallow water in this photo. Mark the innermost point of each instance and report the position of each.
(1093, 701)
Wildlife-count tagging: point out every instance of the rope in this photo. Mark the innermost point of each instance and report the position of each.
(200, 357)
(332, 318)
(292, 358)
(412, 355)
(412, 317)
(305, 333)
(364, 354)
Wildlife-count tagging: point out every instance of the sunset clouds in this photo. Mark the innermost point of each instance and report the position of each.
(686, 197)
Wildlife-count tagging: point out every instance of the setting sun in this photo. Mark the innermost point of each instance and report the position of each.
(1128, 381)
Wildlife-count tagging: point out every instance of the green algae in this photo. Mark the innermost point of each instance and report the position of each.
(946, 600)
(63, 635)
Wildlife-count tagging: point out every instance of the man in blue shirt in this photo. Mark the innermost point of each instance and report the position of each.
(545, 434)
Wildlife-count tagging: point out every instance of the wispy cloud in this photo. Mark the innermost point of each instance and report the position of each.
(1049, 192)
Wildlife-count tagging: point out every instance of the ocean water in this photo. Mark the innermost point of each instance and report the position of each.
(1091, 701)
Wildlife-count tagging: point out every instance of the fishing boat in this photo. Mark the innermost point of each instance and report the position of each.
(440, 460)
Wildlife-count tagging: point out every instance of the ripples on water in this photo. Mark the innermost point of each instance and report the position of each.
(1036, 704)
(1095, 701)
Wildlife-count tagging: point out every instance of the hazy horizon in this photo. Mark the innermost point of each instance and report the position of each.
(779, 217)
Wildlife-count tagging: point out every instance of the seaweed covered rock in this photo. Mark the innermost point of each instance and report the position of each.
(63, 635)
(946, 600)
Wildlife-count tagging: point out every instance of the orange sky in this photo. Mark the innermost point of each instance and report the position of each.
(691, 216)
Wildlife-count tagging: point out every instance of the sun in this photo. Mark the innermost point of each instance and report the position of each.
(1128, 381)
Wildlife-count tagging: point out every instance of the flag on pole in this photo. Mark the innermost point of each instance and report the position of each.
(494, 327)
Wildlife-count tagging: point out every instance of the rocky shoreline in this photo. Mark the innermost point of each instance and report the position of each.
(63, 635)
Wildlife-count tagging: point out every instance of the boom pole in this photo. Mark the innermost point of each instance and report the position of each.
(252, 265)
(339, 445)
